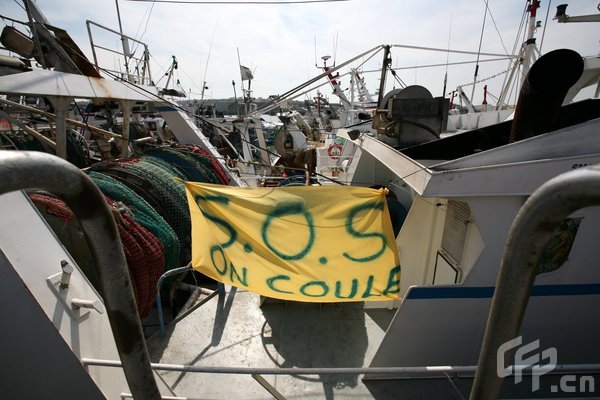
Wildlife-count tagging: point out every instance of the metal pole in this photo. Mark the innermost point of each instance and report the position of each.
(36, 39)
(60, 105)
(405, 371)
(126, 107)
(29, 169)
(384, 66)
(237, 106)
(438, 370)
(124, 42)
(535, 223)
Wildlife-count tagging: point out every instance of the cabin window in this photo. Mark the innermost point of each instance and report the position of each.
(458, 217)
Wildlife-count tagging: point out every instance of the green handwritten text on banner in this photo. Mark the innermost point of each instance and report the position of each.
(303, 243)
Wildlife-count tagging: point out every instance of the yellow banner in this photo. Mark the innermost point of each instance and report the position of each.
(302, 243)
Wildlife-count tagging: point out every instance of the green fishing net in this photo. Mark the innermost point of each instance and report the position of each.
(155, 182)
(143, 213)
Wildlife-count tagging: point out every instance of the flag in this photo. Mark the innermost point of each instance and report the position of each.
(301, 243)
(246, 73)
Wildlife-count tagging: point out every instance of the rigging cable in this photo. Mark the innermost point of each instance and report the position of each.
(512, 63)
(524, 44)
(545, 23)
(149, 12)
(498, 32)
(291, 96)
(319, 77)
(20, 5)
(436, 65)
(479, 50)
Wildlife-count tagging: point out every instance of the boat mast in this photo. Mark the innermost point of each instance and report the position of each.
(246, 75)
(125, 43)
(530, 47)
(526, 54)
(28, 10)
(387, 62)
(352, 83)
(337, 89)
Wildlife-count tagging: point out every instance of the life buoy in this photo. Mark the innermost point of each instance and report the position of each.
(335, 151)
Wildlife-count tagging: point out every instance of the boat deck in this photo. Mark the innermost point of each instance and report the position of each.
(234, 330)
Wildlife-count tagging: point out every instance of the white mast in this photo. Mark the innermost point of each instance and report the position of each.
(529, 45)
(526, 54)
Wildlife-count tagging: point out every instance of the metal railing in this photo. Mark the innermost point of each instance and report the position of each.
(137, 68)
(21, 170)
(442, 372)
(534, 225)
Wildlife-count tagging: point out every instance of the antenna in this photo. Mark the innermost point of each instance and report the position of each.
(335, 43)
(316, 51)
(207, 60)
(447, 58)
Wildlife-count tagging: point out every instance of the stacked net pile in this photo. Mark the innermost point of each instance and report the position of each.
(193, 168)
(143, 213)
(207, 159)
(151, 211)
(143, 251)
(154, 182)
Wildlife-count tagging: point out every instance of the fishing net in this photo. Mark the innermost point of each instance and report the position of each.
(143, 251)
(156, 184)
(67, 230)
(194, 169)
(143, 213)
(206, 158)
(170, 168)
(146, 268)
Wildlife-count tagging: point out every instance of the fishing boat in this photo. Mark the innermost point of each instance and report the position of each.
(454, 201)
(410, 114)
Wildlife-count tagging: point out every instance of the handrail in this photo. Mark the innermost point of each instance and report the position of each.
(535, 223)
(425, 371)
(159, 308)
(28, 169)
(144, 77)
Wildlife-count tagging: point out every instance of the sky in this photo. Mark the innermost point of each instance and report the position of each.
(280, 43)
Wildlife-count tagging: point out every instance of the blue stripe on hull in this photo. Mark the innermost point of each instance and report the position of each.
(483, 292)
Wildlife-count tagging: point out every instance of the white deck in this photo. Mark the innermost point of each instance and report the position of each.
(234, 331)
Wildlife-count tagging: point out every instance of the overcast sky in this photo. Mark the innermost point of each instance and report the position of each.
(277, 42)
